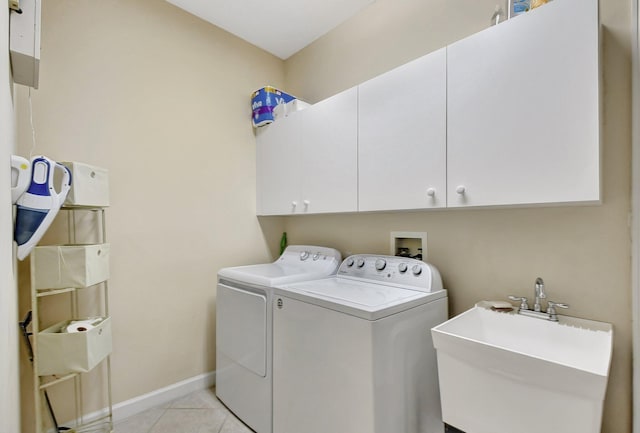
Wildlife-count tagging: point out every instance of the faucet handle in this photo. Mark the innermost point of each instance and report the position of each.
(551, 309)
(523, 302)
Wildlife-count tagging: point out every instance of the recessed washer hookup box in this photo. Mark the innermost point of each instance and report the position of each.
(263, 101)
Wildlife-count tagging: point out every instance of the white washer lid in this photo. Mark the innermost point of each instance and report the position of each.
(368, 300)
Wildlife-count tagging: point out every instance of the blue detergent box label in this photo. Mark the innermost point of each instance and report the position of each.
(520, 6)
(263, 102)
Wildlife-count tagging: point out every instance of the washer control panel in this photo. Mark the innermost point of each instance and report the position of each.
(395, 270)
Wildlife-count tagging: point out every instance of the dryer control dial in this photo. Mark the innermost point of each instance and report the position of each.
(350, 262)
(380, 264)
(416, 269)
(402, 267)
(360, 263)
(304, 255)
(316, 256)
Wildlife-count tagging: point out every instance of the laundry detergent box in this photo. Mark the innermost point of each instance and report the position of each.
(263, 101)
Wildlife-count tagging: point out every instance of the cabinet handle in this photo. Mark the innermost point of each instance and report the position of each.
(306, 203)
(431, 192)
(294, 204)
(460, 189)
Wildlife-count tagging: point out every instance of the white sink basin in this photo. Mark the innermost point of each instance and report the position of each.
(502, 372)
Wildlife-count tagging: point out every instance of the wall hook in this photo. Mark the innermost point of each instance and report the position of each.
(14, 5)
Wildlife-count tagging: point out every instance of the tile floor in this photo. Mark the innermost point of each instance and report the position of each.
(199, 412)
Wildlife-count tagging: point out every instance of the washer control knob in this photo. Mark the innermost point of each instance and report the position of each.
(416, 269)
(380, 264)
(360, 262)
(316, 256)
(350, 262)
(304, 255)
(402, 267)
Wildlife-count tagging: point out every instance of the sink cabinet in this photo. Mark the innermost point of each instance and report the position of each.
(523, 110)
(307, 162)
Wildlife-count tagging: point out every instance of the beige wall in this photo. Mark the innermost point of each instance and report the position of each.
(381, 37)
(581, 252)
(9, 387)
(162, 100)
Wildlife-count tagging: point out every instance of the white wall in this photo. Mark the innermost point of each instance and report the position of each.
(9, 390)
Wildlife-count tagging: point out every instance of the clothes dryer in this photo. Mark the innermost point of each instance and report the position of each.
(353, 352)
(244, 328)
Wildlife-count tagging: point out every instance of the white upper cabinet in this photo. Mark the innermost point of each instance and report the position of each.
(329, 159)
(307, 162)
(523, 110)
(402, 137)
(278, 168)
(509, 116)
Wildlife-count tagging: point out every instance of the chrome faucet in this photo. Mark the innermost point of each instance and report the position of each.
(539, 293)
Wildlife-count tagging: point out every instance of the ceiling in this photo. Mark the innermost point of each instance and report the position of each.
(281, 27)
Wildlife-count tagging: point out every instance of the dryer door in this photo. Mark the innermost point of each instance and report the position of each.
(241, 327)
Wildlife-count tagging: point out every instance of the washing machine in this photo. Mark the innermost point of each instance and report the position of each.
(244, 328)
(353, 352)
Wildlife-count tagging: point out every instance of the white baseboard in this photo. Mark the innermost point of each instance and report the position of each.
(155, 398)
(161, 396)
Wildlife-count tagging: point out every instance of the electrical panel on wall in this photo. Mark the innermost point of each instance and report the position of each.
(24, 43)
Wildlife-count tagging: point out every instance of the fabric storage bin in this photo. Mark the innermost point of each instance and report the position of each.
(89, 185)
(63, 266)
(72, 352)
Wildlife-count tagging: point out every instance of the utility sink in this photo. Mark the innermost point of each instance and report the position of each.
(508, 373)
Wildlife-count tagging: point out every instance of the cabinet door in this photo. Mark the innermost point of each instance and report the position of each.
(278, 153)
(329, 158)
(523, 110)
(402, 137)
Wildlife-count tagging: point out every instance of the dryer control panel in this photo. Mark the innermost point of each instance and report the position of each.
(308, 255)
(400, 271)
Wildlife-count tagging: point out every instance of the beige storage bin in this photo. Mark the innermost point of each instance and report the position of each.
(89, 185)
(63, 266)
(72, 352)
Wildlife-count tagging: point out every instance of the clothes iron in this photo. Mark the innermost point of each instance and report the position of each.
(39, 204)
